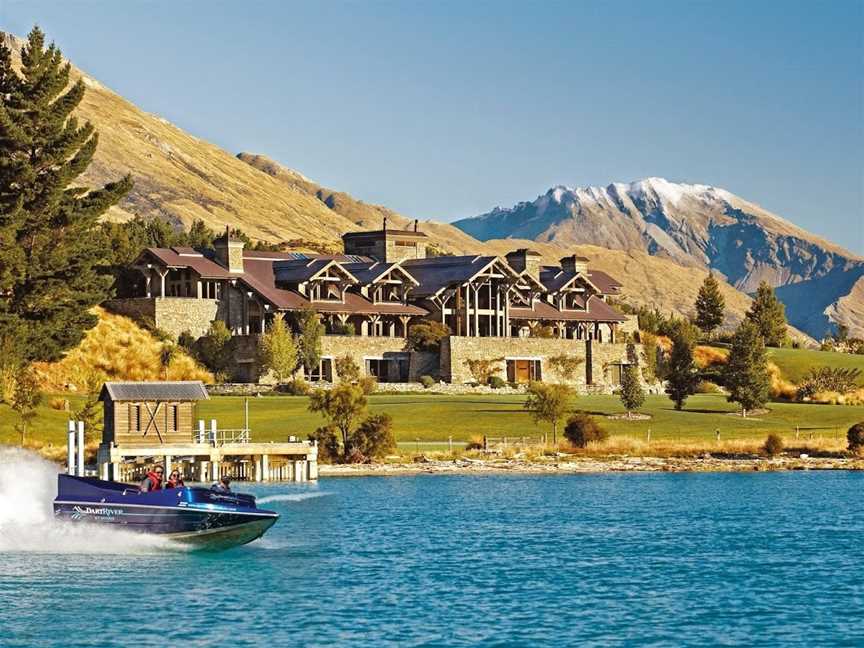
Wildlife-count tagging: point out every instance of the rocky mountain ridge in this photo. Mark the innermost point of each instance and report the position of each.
(696, 225)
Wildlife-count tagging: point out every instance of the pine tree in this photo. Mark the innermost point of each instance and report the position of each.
(680, 370)
(50, 242)
(632, 395)
(769, 315)
(746, 372)
(710, 305)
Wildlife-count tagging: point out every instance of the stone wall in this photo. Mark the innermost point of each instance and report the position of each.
(171, 314)
(359, 348)
(457, 350)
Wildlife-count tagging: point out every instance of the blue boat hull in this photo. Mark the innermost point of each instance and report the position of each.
(191, 515)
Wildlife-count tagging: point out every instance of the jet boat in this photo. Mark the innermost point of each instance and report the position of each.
(197, 516)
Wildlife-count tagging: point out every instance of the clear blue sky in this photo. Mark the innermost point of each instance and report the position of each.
(447, 109)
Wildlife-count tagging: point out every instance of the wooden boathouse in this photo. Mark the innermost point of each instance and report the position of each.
(154, 422)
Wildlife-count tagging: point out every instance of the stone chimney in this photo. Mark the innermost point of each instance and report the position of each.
(574, 264)
(229, 251)
(523, 260)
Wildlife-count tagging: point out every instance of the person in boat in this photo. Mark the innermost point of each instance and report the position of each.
(153, 480)
(222, 486)
(175, 480)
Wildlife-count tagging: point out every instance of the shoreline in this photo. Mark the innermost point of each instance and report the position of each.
(589, 465)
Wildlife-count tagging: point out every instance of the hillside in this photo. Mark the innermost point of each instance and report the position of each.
(179, 178)
(116, 349)
(698, 226)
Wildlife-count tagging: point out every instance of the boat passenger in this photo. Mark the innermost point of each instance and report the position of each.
(153, 480)
(222, 486)
(175, 480)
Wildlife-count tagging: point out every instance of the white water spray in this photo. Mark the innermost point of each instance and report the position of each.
(294, 497)
(28, 485)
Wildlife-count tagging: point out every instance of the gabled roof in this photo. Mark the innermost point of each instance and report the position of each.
(298, 271)
(436, 273)
(192, 390)
(597, 311)
(555, 279)
(605, 283)
(372, 271)
(170, 258)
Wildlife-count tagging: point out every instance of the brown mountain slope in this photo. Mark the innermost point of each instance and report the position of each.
(366, 216)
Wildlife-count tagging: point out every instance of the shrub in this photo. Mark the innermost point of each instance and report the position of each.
(708, 387)
(474, 443)
(296, 387)
(427, 336)
(186, 340)
(427, 381)
(828, 379)
(483, 369)
(582, 429)
(369, 384)
(342, 329)
(347, 369)
(60, 404)
(496, 382)
(374, 437)
(773, 445)
(855, 437)
(327, 437)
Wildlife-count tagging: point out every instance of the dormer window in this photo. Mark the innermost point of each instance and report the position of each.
(327, 291)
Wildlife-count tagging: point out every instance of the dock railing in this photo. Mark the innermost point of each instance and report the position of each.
(220, 436)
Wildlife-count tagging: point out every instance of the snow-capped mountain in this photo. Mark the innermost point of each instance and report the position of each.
(699, 225)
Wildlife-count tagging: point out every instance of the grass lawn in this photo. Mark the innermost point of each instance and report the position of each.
(794, 363)
(433, 418)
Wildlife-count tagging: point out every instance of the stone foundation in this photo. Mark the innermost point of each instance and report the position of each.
(174, 315)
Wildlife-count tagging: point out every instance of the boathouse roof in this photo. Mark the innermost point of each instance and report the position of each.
(190, 390)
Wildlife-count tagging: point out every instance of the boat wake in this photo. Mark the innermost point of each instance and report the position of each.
(28, 484)
(293, 497)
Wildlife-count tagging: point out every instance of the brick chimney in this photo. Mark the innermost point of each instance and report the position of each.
(574, 264)
(523, 260)
(229, 251)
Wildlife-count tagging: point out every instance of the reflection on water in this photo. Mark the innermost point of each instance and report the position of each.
(677, 558)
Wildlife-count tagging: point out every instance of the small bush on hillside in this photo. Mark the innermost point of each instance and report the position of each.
(60, 404)
(828, 379)
(708, 387)
(855, 437)
(497, 382)
(427, 381)
(773, 445)
(296, 387)
(582, 429)
(186, 340)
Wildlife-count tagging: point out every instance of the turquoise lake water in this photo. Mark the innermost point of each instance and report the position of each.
(695, 559)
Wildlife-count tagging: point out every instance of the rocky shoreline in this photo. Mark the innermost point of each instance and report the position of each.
(572, 465)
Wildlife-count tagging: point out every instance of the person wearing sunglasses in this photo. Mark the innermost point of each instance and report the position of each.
(175, 480)
(153, 480)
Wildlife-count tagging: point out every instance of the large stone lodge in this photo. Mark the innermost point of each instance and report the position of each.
(384, 282)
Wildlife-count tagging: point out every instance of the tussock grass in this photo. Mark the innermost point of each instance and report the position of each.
(116, 349)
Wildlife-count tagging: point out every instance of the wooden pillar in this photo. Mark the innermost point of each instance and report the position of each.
(162, 276)
(467, 326)
(148, 278)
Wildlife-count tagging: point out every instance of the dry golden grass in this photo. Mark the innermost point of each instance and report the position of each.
(624, 445)
(706, 356)
(116, 349)
(835, 398)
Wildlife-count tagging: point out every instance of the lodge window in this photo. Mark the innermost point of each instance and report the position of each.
(324, 371)
(523, 370)
(211, 290)
(377, 367)
(406, 244)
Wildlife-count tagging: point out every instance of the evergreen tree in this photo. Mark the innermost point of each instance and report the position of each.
(710, 305)
(746, 372)
(769, 315)
(50, 247)
(632, 395)
(680, 370)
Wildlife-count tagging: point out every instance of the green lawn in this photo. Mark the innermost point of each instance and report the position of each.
(794, 363)
(433, 418)
(436, 417)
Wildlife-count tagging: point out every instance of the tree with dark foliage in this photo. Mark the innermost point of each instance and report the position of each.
(50, 248)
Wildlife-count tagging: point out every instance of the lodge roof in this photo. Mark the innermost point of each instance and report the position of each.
(597, 311)
(191, 390)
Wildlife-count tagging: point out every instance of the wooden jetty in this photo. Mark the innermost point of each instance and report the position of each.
(152, 422)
